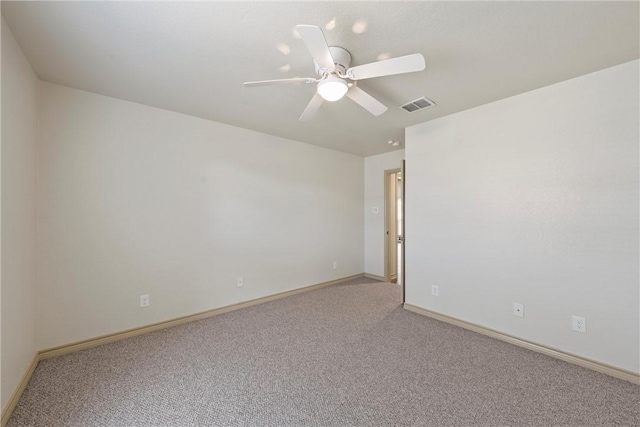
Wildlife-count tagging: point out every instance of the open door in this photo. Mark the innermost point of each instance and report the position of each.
(402, 232)
(394, 271)
(391, 226)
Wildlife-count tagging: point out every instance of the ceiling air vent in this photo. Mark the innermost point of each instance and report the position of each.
(418, 104)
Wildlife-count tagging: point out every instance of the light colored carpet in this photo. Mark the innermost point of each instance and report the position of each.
(343, 355)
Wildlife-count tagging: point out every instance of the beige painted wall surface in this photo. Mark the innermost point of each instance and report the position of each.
(533, 199)
(374, 242)
(19, 142)
(138, 200)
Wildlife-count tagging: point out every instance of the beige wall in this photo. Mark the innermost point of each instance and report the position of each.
(138, 200)
(19, 141)
(374, 167)
(533, 199)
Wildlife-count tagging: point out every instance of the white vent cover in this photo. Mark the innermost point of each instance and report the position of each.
(418, 104)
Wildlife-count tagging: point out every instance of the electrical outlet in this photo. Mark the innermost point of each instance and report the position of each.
(374, 210)
(579, 324)
(239, 282)
(518, 309)
(434, 290)
(144, 301)
(335, 265)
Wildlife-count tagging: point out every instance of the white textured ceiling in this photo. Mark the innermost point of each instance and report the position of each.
(193, 57)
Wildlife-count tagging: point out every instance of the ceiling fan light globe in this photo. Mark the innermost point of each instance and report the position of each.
(332, 88)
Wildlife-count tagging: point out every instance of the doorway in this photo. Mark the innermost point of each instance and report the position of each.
(394, 226)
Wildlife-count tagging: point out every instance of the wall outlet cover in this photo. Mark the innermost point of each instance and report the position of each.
(579, 324)
(434, 290)
(144, 300)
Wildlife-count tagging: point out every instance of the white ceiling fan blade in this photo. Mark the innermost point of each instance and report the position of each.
(366, 101)
(388, 67)
(313, 37)
(295, 81)
(312, 107)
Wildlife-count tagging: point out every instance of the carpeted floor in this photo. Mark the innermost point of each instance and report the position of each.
(343, 355)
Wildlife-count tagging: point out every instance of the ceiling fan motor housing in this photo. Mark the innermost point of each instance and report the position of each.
(341, 58)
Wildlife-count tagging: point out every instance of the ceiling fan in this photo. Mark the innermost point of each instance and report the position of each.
(336, 79)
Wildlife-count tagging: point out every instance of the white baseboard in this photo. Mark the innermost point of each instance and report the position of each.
(7, 411)
(558, 354)
(93, 342)
(375, 277)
